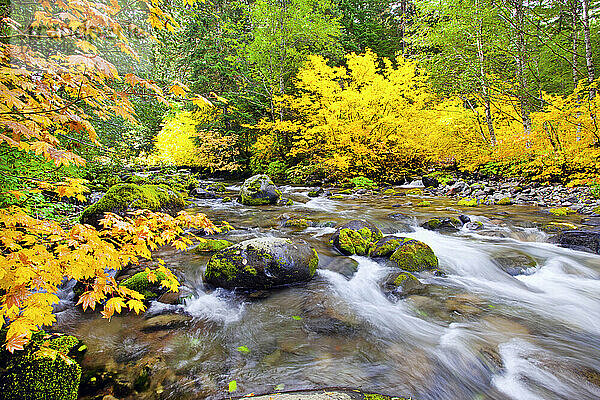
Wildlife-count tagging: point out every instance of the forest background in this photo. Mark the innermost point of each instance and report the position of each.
(303, 90)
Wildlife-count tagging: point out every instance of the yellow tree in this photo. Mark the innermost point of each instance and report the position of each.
(54, 91)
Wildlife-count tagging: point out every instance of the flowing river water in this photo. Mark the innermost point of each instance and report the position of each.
(477, 332)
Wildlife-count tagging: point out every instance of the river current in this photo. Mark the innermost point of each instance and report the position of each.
(477, 332)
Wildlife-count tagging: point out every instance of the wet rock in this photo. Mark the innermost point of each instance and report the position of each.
(259, 190)
(448, 225)
(414, 256)
(141, 284)
(208, 245)
(430, 181)
(516, 263)
(457, 188)
(343, 265)
(474, 225)
(262, 263)
(404, 283)
(315, 192)
(125, 197)
(165, 322)
(465, 304)
(202, 194)
(557, 227)
(355, 237)
(386, 246)
(216, 187)
(464, 218)
(43, 370)
(588, 241)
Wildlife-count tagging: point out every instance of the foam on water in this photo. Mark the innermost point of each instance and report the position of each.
(214, 307)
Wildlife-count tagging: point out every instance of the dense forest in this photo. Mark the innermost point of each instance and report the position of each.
(360, 94)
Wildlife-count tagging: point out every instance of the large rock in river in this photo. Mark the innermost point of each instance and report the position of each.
(125, 197)
(259, 190)
(356, 237)
(414, 256)
(262, 263)
(579, 240)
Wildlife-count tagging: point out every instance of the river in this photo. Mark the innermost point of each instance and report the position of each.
(477, 332)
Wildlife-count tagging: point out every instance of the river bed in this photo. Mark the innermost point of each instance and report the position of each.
(477, 332)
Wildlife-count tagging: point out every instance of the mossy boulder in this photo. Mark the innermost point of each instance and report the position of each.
(446, 224)
(262, 263)
(404, 283)
(557, 227)
(259, 190)
(140, 283)
(126, 197)
(42, 371)
(297, 223)
(414, 256)
(386, 246)
(315, 192)
(216, 187)
(466, 202)
(561, 211)
(356, 237)
(415, 192)
(424, 203)
(430, 181)
(208, 245)
(505, 201)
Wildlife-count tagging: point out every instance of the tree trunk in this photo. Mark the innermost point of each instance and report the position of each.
(482, 75)
(588, 45)
(574, 49)
(520, 58)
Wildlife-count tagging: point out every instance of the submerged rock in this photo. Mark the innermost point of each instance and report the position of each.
(579, 240)
(356, 237)
(259, 190)
(516, 263)
(262, 263)
(126, 197)
(165, 322)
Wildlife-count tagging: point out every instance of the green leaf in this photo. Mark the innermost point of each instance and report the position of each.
(243, 349)
(232, 386)
(279, 387)
(296, 317)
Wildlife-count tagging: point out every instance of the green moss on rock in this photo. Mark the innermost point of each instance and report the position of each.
(208, 245)
(414, 256)
(506, 201)
(298, 223)
(424, 203)
(356, 237)
(140, 283)
(561, 211)
(313, 263)
(126, 197)
(216, 187)
(386, 246)
(466, 202)
(414, 192)
(42, 371)
(389, 192)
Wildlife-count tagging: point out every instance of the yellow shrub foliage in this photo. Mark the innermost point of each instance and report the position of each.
(386, 122)
(184, 141)
(366, 121)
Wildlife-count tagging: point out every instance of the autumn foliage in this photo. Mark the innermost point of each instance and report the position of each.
(39, 255)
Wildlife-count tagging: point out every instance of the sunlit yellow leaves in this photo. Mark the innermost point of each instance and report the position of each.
(179, 89)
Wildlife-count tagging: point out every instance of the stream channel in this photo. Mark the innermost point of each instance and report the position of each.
(477, 332)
